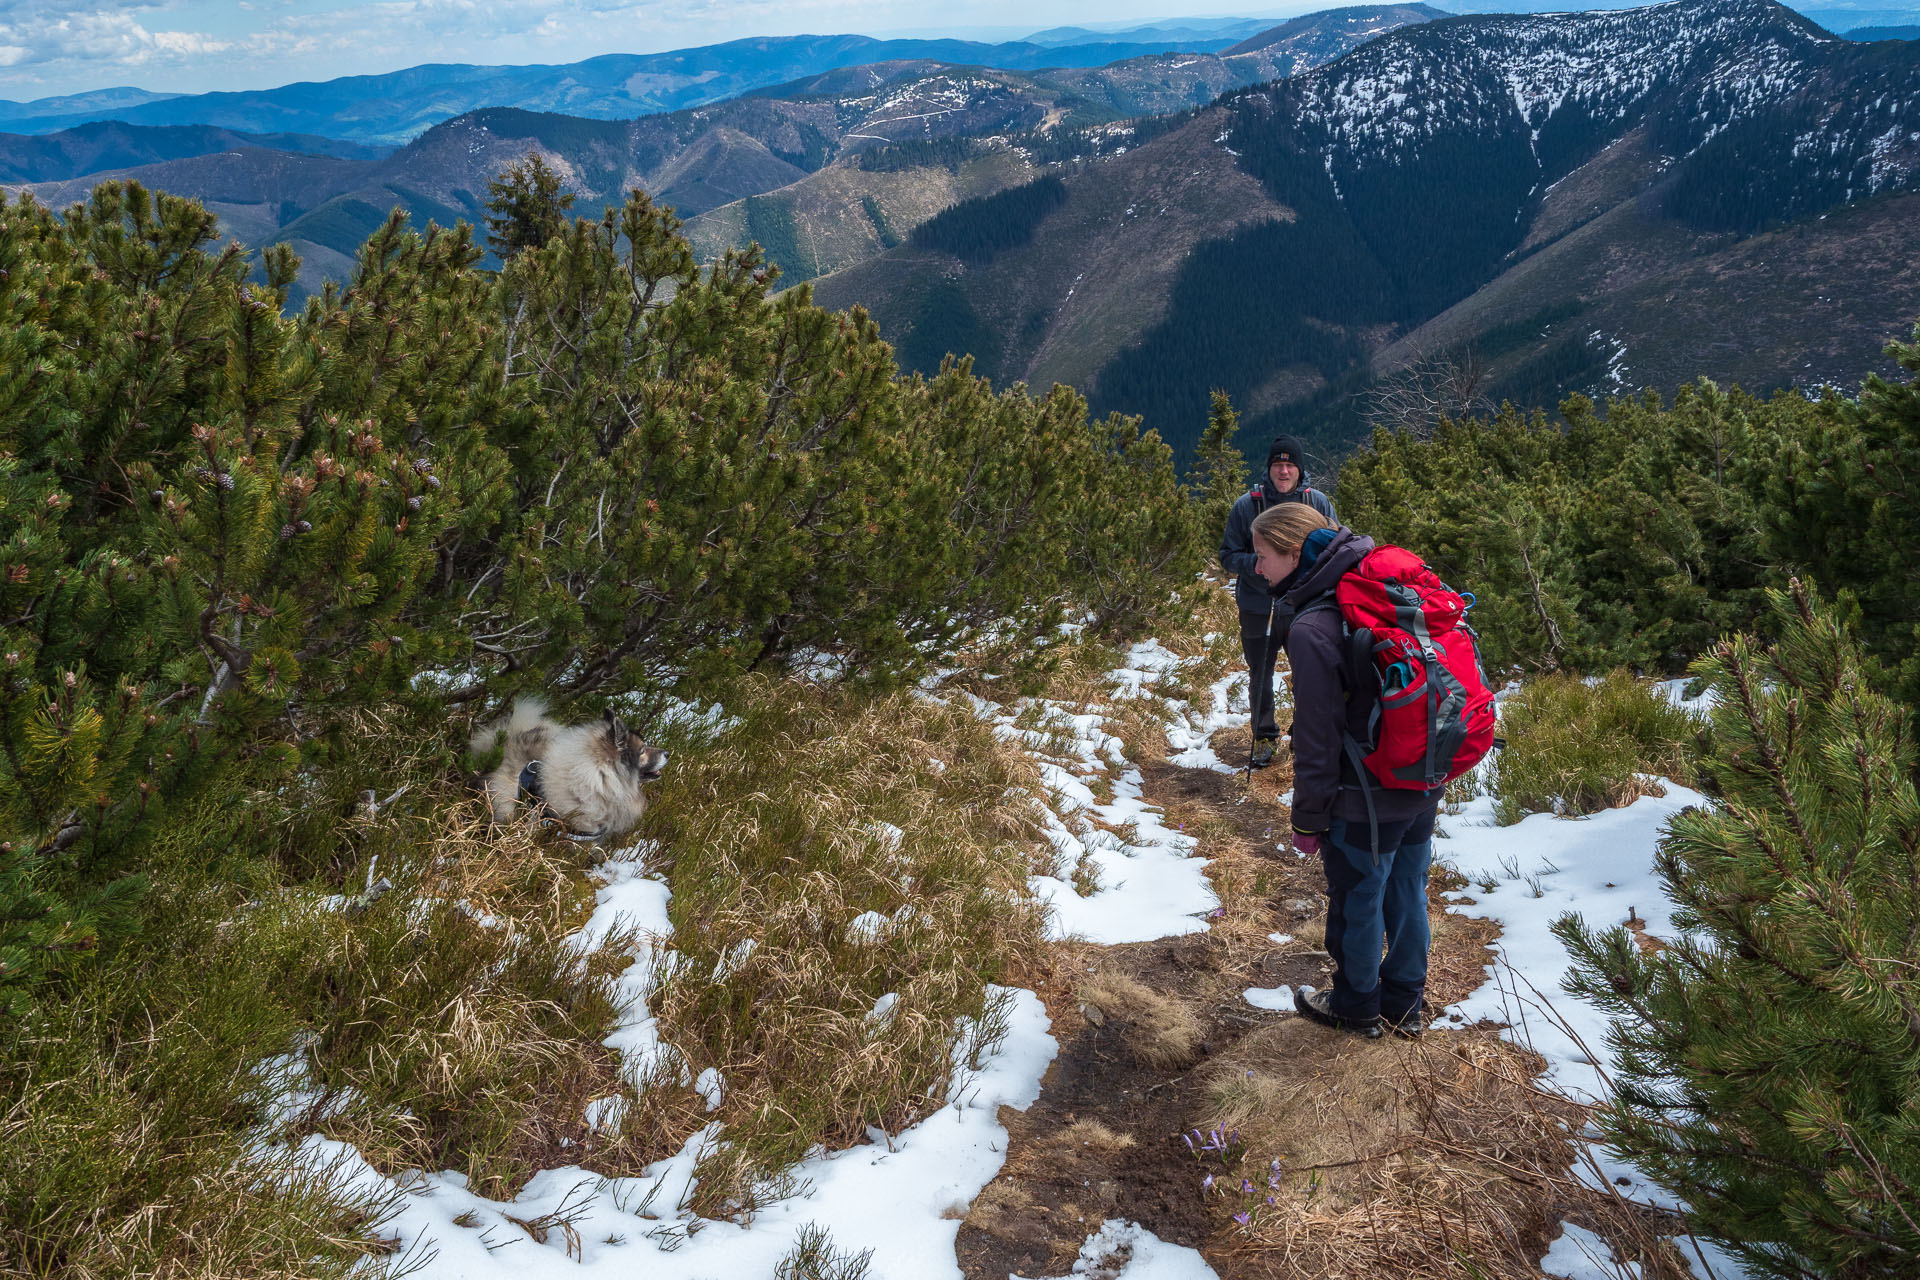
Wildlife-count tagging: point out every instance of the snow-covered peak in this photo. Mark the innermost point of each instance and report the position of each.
(1718, 60)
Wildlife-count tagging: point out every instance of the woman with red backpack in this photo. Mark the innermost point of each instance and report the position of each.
(1389, 704)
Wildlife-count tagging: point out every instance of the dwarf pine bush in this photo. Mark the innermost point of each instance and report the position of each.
(1767, 1060)
(1575, 746)
(132, 1101)
(1633, 535)
(226, 533)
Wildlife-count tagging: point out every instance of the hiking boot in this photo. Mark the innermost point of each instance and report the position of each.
(1409, 1026)
(1315, 1007)
(1262, 754)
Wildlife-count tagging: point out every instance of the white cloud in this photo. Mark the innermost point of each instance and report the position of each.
(189, 43)
(100, 36)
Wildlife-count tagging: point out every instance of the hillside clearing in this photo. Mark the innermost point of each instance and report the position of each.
(1101, 1119)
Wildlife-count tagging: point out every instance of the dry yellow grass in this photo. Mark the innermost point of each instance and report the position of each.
(1001, 1209)
(1157, 1030)
(825, 808)
(454, 1010)
(1425, 1159)
(1093, 1134)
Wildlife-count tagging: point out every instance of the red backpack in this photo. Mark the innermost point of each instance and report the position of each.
(1435, 717)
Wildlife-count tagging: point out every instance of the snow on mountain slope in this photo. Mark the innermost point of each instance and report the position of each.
(1700, 65)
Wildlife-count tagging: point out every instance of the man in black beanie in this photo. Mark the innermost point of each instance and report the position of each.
(1263, 625)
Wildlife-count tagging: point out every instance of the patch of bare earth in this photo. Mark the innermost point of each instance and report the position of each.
(1404, 1158)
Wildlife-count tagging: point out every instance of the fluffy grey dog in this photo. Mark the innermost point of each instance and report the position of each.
(589, 776)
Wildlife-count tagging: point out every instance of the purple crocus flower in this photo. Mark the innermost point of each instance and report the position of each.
(1244, 1219)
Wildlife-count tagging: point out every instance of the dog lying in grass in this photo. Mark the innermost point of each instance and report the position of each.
(588, 777)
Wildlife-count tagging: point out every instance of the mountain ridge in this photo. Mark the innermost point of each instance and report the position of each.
(108, 144)
(773, 150)
(1416, 168)
(374, 108)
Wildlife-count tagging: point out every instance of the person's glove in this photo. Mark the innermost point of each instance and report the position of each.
(1308, 842)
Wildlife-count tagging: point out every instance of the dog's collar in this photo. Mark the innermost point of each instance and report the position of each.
(533, 792)
(531, 787)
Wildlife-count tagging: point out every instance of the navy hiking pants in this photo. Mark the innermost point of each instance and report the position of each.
(1374, 907)
(1261, 647)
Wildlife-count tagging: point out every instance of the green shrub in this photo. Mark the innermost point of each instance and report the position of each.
(1632, 534)
(1575, 747)
(220, 528)
(1767, 1059)
(1837, 508)
(225, 534)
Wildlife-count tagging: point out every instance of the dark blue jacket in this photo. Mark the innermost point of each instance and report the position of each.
(1236, 544)
(1332, 700)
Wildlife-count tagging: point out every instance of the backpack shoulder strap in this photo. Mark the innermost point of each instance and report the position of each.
(1318, 604)
(1359, 641)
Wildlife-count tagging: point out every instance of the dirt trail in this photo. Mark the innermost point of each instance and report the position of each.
(1103, 1141)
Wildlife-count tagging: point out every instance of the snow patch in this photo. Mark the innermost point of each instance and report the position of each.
(900, 1195)
(1276, 999)
(1579, 1254)
(1123, 1250)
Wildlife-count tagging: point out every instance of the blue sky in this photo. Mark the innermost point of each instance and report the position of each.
(50, 47)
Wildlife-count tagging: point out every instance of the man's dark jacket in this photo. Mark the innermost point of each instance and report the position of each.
(1329, 698)
(1236, 544)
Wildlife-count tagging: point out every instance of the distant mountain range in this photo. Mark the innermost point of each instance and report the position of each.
(96, 148)
(1314, 38)
(1844, 19)
(398, 106)
(824, 170)
(101, 104)
(1594, 201)
(1183, 33)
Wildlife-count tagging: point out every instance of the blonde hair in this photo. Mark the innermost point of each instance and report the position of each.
(1285, 526)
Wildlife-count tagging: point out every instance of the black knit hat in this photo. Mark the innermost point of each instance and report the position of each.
(1290, 448)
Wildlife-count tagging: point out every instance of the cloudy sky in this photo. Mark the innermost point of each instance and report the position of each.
(50, 47)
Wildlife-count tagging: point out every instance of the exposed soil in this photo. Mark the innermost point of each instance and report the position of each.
(1103, 1141)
